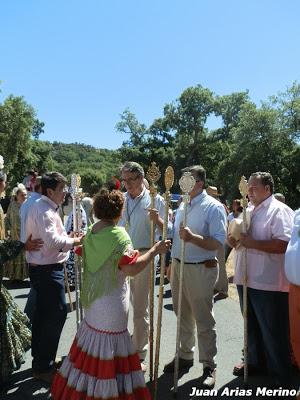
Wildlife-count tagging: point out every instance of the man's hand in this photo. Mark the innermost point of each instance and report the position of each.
(153, 215)
(33, 245)
(185, 233)
(163, 246)
(232, 241)
(246, 240)
(79, 239)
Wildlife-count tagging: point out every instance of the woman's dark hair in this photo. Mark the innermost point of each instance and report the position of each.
(238, 203)
(108, 205)
(66, 201)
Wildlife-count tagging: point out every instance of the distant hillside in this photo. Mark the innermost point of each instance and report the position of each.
(95, 166)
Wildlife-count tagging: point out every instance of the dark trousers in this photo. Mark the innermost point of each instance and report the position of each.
(30, 304)
(50, 313)
(268, 330)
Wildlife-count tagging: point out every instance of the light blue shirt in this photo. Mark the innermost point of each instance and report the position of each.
(206, 217)
(34, 196)
(136, 216)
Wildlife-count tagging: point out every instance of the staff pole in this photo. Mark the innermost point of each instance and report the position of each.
(186, 183)
(153, 175)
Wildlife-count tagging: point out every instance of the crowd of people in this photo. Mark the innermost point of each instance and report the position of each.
(114, 241)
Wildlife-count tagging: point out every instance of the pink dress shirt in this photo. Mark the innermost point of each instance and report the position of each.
(44, 222)
(270, 220)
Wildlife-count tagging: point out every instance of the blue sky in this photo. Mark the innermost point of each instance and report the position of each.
(81, 63)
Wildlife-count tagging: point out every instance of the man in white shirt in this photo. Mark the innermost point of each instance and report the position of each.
(136, 218)
(46, 271)
(267, 287)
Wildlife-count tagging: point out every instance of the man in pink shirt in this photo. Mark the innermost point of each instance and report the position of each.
(46, 271)
(266, 242)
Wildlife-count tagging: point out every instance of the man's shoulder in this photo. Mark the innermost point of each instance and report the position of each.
(297, 215)
(39, 206)
(214, 204)
(281, 207)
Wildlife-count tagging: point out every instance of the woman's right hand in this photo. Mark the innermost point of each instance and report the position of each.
(162, 246)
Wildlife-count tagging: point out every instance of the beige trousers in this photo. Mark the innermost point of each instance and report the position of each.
(139, 297)
(222, 282)
(196, 310)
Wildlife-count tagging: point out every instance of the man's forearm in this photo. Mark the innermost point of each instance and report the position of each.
(205, 243)
(275, 246)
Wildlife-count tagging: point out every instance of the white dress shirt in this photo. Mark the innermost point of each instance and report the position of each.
(271, 219)
(44, 222)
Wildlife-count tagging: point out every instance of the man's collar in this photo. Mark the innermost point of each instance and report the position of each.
(52, 204)
(265, 202)
(140, 195)
(199, 196)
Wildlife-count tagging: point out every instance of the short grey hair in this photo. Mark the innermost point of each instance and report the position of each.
(132, 166)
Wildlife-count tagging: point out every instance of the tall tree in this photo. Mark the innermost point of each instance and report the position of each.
(258, 145)
(17, 123)
(187, 117)
(288, 106)
(228, 107)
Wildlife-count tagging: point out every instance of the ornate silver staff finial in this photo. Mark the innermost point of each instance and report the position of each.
(169, 178)
(187, 182)
(76, 190)
(153, 173)
(243, 188)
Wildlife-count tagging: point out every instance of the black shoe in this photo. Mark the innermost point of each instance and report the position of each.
(208, 378)
(183, 365)
(220, 296)
(253, 370)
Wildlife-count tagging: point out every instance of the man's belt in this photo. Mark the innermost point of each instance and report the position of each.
(208, 263)
(47, 266)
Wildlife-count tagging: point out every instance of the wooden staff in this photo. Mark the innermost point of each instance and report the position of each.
(186, 183)
(68, 287)
(169, 180)
(243, 188)
(153, 176)
(76, 193)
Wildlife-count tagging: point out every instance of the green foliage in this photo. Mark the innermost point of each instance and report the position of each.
(250, 139)
(19, 130)
(95, 166)
(91, 181)
(42, 160)
(17, 121)
(287, 105)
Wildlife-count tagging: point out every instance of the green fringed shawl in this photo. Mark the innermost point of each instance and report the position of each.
(102, 252)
